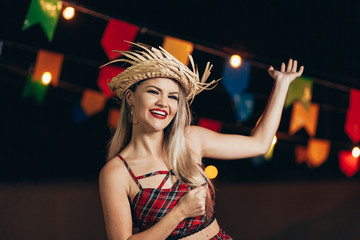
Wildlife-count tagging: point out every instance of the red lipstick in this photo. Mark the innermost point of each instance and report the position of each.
(158, 113)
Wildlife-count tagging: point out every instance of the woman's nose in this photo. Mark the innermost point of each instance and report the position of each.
(162, 101)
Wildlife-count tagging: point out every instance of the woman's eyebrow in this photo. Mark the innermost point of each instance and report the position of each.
(159, 89)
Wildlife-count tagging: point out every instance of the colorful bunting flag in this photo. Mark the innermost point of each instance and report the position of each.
(301, 90)
(244, 105)
(210, 124)
(78, 113)
(236, 80)
(34, 90)
(302, 118)
(352, 124)
(115, 35)
(48, 61)
(92, 102)
(354, 99)
(105, 75)
(113, 117)
(300, 154)
(45, 12)
(348, 164)
(178, 48)
(317, 152)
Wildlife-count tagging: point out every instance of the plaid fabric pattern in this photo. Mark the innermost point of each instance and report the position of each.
(221, 235)
(150, 205)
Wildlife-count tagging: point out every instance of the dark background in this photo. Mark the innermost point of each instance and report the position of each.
(41, 142)
(50, 164)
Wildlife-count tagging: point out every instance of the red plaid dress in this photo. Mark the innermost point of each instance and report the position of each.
(150, 205)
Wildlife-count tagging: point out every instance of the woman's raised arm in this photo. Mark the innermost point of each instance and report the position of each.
(228, 146)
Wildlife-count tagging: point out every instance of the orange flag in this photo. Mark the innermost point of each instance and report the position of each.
(178, 48)
(51, 62)
(317, 152)
(113, 117)
(92, 102)
(301, 117)
(300, 154)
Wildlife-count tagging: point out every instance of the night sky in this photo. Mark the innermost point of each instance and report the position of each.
(43, 142)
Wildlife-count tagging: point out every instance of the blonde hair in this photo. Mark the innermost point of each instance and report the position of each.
(180, 160)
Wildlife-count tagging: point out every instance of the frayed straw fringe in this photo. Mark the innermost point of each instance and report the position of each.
(150, 62)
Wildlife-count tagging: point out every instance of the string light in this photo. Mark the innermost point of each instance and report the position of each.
(68, 13)
(356, 152)
(46, 78)
(211, 171)
(235, 61)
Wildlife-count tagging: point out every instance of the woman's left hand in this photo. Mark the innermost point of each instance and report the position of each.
(286, 75)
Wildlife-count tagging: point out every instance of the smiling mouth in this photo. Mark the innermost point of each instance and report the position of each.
(158, 114)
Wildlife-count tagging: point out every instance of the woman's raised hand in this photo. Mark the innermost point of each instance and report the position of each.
(193, 203)
(287, 73)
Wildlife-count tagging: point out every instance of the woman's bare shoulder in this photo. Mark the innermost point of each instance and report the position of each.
(114, 171)
(195, 134)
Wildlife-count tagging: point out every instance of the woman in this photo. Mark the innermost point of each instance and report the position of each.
(153, 179)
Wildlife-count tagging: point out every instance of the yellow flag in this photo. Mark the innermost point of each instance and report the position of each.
(178, 48)
(301, 117)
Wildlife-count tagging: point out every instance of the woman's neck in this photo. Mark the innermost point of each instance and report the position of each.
(147, 144)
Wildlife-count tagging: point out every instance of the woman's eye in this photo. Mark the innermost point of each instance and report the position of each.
(174, 97)
(153, 92)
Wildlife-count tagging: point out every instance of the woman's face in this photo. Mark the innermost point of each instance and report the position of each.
(154, 103)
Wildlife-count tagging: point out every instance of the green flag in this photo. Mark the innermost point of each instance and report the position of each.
(45, 12)
(34, 89)
(300, 90)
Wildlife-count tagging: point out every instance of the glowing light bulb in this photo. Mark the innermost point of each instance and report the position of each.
(46, 78)
(235, 61)
(211, 171)
(68, 13)
(356, 152)
(274, 140)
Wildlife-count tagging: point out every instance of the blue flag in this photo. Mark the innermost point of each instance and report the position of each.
(236, 80)
(244, 105)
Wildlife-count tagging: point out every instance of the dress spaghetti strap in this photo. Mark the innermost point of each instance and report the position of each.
(131, 173)
(164, 180)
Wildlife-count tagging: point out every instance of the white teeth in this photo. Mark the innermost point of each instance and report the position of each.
(158, 113)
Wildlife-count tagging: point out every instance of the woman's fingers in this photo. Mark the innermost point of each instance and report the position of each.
(289, 69)
(301, 70)
(294, 66)
(289, 66)
(282, 69)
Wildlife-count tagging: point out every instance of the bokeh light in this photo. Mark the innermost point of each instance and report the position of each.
(211, 171)
(235, 61)
(68, 13)
(46, 78)
(356, 152)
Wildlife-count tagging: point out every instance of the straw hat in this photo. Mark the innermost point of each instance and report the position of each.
(149, 62)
